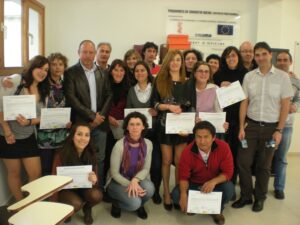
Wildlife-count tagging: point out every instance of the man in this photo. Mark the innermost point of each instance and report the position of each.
(246, 50)
(102, 56)
(262, 117)
(89, 94)
(149, 53)
(283, 62)
(206, 165)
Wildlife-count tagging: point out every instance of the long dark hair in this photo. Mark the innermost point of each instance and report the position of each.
(143, 63)
(44, 86)
(68, 153)
(119, 90)
(226, 52)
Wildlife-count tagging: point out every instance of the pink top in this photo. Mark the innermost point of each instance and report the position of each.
(207, 100)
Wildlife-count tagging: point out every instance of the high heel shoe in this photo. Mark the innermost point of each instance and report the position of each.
(168, 206)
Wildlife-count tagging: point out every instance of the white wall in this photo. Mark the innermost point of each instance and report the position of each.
(124, 23)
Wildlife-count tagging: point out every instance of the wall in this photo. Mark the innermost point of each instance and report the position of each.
(124, 23)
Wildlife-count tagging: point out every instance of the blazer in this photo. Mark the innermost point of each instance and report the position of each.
(77, 93)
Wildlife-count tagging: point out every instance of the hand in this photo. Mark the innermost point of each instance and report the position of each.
(198, 119)
(183, 133)
(113, 121)
(225, 83)
(69, 125)
(293, 108)
(183, 202)
(175, 109)
(93, 177)
(22, 120)
(208, 186)
(10, 138)
(277, 138)
(134, 189)
(7, 83)
(99, 119)
(152, 112)
(226, 126)
(241, 134)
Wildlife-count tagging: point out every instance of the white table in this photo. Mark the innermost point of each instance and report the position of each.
(40, 189)
(42, 213)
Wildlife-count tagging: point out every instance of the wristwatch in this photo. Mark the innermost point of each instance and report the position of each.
(278, 130)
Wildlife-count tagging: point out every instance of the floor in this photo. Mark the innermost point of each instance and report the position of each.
(276, 212)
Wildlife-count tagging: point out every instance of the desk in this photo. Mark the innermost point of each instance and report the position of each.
(40, 189)
(42, 213)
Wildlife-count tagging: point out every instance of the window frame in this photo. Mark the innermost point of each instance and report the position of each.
(26, 5)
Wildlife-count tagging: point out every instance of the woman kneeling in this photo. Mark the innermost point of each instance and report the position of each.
(130, 163)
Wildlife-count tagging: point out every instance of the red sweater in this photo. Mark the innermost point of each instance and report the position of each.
(192, 167)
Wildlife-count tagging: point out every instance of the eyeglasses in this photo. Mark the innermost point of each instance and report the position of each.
(247, 51)
(202, 71)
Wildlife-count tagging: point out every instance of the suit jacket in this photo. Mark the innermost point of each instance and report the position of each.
(77, 93)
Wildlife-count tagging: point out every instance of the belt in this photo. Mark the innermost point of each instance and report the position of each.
(262, 123)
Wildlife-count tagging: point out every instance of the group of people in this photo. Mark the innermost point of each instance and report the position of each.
(98, 94)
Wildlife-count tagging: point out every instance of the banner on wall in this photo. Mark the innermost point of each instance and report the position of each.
(209, 31)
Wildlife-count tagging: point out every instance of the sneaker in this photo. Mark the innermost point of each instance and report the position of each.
(115, 211)
(218, 218)
(141, 213)
(279, 194)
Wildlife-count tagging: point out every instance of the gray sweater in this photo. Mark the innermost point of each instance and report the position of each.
(116, 161)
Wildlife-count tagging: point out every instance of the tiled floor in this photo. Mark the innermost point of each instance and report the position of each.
(276, 212)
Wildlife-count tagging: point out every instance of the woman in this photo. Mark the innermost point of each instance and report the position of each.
(51, 140)
(120, 85)
(139, 96)
(214, 61)
(169, 95)
(191, 56)
(202, 92)
(78, 151)
(131, 57)
(231, 70)
(130, 164)
(17, 139)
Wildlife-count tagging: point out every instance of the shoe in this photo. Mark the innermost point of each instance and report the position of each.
(176, 206)
(156, 198)
(218, 218)
(168, 206)
(87, 212)
(279, 194)
(141, 213)
(241, 203)
(258, 205)
(115, 211)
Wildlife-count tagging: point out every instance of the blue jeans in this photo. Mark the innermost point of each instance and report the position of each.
(280, 161)
(99, 141)
(226, 188)
(120, 197)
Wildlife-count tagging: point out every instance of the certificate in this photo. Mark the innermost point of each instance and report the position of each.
(180, 123)
(204, 203)
(19, 104)
(231, 94)
(144, 111)
(117, 132)
(53, 118)
(216, 119)
(79, 175)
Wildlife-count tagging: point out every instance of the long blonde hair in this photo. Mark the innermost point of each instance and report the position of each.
(164, 79)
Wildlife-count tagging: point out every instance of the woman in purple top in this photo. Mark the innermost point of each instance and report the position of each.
(130, 162)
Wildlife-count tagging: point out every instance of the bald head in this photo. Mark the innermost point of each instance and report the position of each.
(246, 50)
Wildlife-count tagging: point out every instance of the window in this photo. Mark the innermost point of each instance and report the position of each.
(21, 33)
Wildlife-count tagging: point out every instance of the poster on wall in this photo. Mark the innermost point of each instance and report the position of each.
(209, 31)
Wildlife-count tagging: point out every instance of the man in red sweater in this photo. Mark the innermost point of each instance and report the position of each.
(206, 164)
